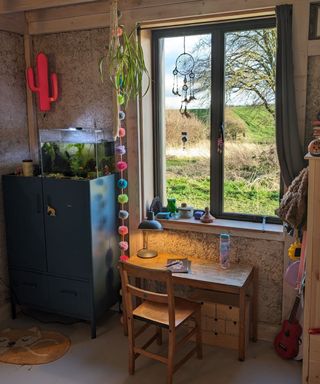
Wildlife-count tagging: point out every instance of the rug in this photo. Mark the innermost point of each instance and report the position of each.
(31, 346)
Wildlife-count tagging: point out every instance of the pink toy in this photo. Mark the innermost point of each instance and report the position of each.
(43, 83)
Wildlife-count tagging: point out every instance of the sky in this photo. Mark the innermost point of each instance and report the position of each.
(173, 47)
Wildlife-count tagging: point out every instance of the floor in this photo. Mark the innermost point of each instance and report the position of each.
(104, 360)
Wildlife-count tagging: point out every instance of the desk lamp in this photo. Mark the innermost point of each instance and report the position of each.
(148, 225)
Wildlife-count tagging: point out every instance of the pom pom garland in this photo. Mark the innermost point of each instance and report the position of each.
(123, 230)
(124, 245)
(123, 198)
(124, 258)
(122, 165)
(123, 214)
(122, 183)
(122, 115)
(122, 132)
(120, 149)
(120, 99)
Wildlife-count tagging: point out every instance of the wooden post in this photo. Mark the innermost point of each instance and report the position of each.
(311, 343)
(31, 110)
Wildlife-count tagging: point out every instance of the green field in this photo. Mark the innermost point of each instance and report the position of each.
(260, 124)
(250, 163)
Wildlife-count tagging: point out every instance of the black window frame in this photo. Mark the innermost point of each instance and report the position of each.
(217, 31)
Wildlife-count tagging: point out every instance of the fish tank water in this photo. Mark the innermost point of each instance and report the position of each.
(75, 153)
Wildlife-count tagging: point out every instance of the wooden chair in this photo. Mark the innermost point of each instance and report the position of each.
(160, 309)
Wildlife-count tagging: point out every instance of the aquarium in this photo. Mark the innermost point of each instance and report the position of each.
(75, 153)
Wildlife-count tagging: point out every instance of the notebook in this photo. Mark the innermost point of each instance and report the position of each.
(178, 265)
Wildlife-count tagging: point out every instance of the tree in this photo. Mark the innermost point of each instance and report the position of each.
(250, 70)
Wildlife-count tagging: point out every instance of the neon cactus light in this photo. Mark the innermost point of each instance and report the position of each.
(42, 88)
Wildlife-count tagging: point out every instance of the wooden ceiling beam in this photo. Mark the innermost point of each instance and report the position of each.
(13, 23)
(12, 6)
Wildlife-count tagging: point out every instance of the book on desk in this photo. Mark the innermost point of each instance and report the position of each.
(178, 265)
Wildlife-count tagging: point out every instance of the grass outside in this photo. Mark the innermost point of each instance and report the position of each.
(251, 169)
(239, 197)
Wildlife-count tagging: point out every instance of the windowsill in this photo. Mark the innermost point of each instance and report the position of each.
(233, 227)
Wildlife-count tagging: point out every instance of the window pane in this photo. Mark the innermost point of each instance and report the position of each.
(251, 169)
(186, 125)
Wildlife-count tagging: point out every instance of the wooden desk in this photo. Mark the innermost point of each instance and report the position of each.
(238, 280)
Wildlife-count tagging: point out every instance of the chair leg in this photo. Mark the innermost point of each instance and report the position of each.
(198, 334)
(131, 346)
(171, 349)
(159, 338)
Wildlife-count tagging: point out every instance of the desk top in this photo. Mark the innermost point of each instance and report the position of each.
(203, 274)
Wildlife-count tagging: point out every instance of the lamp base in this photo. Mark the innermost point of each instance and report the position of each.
(145, 253)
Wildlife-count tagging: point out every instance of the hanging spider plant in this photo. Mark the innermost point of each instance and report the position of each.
(126, 65)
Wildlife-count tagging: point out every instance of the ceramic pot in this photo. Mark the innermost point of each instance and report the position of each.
(185, 211)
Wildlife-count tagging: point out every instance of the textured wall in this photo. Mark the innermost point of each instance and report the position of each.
(83, 98)
(266, 255)
(13, 127)
(313, 95)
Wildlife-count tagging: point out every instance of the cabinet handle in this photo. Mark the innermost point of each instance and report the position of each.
(69, 292)
(30, 285)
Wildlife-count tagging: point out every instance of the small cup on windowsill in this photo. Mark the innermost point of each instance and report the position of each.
(27, 167)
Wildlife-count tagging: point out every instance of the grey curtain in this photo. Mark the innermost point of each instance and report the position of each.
(289, 148)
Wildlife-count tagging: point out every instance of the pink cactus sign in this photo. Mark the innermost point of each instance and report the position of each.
(42, 86)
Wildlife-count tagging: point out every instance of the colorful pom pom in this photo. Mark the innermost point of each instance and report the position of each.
(123, 198)
(122, 183)
(122, 115)
(124, 258)
(123, 230)
(120, 149)
(122, 165)
(123, 245)
(123, 214)
(122, 132)
(120, 99)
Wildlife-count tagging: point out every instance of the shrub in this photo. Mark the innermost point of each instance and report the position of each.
(176, 123)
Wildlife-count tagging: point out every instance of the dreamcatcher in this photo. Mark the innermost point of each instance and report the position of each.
(184, 67)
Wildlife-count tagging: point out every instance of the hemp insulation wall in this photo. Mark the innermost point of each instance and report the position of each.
(13, 132)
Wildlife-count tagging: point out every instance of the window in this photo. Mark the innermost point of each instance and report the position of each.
(232, 92)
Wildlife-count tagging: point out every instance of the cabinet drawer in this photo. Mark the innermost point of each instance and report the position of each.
(29, 288)
(70, 297)
(227, 312)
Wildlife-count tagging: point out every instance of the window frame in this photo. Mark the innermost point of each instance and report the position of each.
(217, 31)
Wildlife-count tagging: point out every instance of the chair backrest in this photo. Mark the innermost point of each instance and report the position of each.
(131, 289)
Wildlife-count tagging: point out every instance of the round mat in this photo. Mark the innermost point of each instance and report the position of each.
(31, 346)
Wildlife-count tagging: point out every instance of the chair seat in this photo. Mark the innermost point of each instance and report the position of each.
(158, 313)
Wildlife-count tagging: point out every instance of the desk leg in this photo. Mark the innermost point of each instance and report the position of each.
(242, 324)
(254, 305)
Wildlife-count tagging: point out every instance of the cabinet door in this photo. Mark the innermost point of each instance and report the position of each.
(67, 224)
(24, 222)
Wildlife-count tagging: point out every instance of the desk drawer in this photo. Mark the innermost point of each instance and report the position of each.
(29, 288)
(227, 312)
(70, 297)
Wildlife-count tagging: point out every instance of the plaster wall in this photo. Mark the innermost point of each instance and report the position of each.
(13, 131)
(83, 98)
(265, 255)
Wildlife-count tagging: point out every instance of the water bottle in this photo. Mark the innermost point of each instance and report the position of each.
(224, 250)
